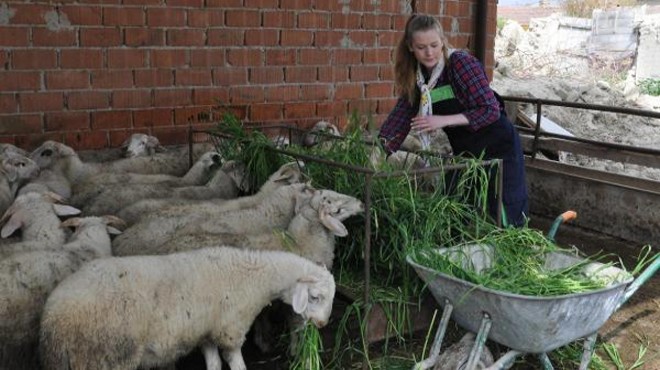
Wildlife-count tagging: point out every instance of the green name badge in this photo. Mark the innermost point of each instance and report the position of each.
(442, 93)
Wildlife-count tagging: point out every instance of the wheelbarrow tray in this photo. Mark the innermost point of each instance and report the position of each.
(525, 323)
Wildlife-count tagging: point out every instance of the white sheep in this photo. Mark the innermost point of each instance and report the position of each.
(26, 280)
(13, 149)
(321, 131)
(200, 173)
(224, 184)
(140, 144)
(310, 234)
(15, 171)
(275, 211)
(146, 311)
(287, 174)
(36, 214)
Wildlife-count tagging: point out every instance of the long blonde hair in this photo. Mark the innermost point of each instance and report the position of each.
(405, 66)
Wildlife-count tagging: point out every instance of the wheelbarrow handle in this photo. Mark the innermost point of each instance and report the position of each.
(564, 217)
(641, 279)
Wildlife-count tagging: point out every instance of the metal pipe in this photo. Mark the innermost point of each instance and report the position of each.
(480, 32)
(604, 108)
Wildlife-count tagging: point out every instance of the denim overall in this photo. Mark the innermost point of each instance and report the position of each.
(497, 140)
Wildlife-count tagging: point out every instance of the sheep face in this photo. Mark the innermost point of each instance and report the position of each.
(316, 134)
(6, 148)
(48, 152)
(140, 145)
(313, 296)
(19, 167)
(336, 205)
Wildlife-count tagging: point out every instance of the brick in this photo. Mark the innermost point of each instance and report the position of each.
(169, 58)
(65, 121)
(262, 4)
(386, 73)
(81, 58)
(103, 120)
(348, 91)
(363, 73)
(8, 103)
(104, 79)
(34, 59)
(242, 18)
(345, 21)
(126, 58)
(31, 141)
(237, 110)
(152, 117)
(261, 37)
(299, 110)
(154, 78)
(399, 21)
(188, 116)
(313, 57)
(383, 7)
(186, 37)
(144, 37)
(331, 109)
(224, 3)
(314, 20)
(385, 106)
(59, 80)
(82, 15)
(296, 38)
(171, 135)
(193, 77)
(87, 140)
(246, 94)
(266, 112)
(229, 76)
(333, 74)
(225, 37)
(376, 21)
(210, 96)
(363, 38)
(266, 75)
(279, 19)
(46, 37)
(206, 18)
(14, 36)
(379, 90)
(300, 74)
(362, 106)
(15, 81)
(331, 6)
(124, 17)
(4, 59)
(207, 57)
(244, 57)
(20, 124)
(280, 57)
(117, 137)
(296, 4)
(100, 37)
(328, 38)
(172, 97)
(88, 100)
(131, 98)
(378, 56)
(30, 14)
(166, 17)
(41, 102)
(186, 3)
(315, 92)
(347, 57)
(386, 38)
(142, 2)
(282, 93)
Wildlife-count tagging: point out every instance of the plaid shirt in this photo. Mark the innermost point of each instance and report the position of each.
(472, 89)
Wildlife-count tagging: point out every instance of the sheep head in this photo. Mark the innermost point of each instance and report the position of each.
(49, 151)
(312, 297)
(139, 145)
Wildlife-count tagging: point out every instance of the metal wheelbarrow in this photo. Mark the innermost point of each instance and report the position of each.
(525, 324)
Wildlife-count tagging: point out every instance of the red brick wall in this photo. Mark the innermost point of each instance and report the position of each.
(90, 72)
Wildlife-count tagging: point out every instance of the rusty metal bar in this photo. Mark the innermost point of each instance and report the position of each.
(537, 130)
(600, 107)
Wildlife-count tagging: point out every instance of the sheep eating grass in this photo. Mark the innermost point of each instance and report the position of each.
(146, 311)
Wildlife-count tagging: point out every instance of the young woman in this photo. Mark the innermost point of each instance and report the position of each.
(442, 88)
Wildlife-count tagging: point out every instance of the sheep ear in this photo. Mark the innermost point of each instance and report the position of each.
(111, 230)
(72, 222)
(12, 225)
(299, 301)
(64, 210)
(331, 223)
(10, 171)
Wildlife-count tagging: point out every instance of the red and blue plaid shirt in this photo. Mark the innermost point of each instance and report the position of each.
(471, 87)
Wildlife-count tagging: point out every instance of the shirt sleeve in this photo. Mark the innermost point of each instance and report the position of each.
(397, 125)
(472, 89)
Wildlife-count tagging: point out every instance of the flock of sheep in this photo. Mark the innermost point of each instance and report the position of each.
(162, 258)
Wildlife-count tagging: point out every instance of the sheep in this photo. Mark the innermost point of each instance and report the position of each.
(289, 173)
(224, 184)
(48, 181)
(275, 211)
(13, 149)
(141, 144)
(310, 233)
(15, 170)
(146, 311)
(63, 159)
(198, 174)
(320, 132)
(26, 280)
(36, 214)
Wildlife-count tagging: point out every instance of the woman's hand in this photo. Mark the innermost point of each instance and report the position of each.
(432, 123)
